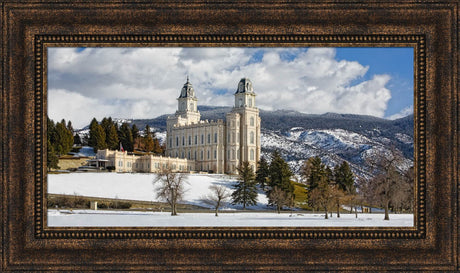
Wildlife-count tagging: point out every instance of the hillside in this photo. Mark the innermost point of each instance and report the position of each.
(333, 137)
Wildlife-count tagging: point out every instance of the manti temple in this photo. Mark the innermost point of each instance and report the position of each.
(199, 145)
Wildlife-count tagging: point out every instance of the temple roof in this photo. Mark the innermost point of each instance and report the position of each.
(244, 86)
(187, 90)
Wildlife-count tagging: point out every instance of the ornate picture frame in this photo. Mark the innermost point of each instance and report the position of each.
(28, 28)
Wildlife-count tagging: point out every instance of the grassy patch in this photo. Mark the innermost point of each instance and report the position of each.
(300, 195)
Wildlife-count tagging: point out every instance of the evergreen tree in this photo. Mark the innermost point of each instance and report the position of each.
(135, 132)
(322, 194)
(96, 136)
(51, 160)
(77, 139)
(112, 138)
(280, 175)
(51, 157)
(343, 177)
(51, 131)
(126, 137)
(70, 127)
(157, 148)
(63, 139)
(313, 171)
(106, 123)
(263, 172)
(246, 189)
(92, 129)
(147, 140)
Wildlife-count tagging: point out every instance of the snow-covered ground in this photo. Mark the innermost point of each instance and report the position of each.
(139, 186)
(88, 218)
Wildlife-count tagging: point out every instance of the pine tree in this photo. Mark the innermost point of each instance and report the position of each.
(51, 160)
(246, 189)
(263, 172)
(63, 138)
(112, 138)
(96, 136)
(92, 129)
(51, 131)
(147, 140)
(279, 175)
(312, 172)
(106, 123)
(157, 148)
(51, 157)
(343, 177)
(135, 132)
(69, 126)
(77, 139)
(126, 137)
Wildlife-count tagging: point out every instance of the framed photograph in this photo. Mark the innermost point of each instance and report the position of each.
(269, 136)
(273, 160)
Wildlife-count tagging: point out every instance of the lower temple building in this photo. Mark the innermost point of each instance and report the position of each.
(193, 144)
(124, 162)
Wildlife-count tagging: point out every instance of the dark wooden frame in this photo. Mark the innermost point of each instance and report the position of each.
(29, 27)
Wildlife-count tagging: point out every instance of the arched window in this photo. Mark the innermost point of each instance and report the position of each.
(209, 138)
(215, 137)
(202, 139)
(183, 141)
(251, 154)
(251, 137)
(251, 122)
(208, 154)
(201, 154)
(215, 154)
(189, 140)
(196, 139)
(170, 142)
(177, 141)
(195, 155)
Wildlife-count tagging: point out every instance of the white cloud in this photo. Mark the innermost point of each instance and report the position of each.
(409, 110)
(145, 82)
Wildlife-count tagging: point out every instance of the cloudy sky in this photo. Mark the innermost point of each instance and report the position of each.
(144, 82)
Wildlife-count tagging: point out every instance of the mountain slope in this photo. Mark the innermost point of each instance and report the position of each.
(333, 137)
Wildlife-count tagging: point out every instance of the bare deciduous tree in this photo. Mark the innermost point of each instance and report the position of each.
(171, 187)
(388, 185)
(338, 197)
(322, 196)
(280, 198)
(218, 196)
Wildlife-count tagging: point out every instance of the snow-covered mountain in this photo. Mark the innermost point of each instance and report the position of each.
(333, 137)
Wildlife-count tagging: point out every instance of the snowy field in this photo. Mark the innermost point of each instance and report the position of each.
(88, 218)
(138, 186)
